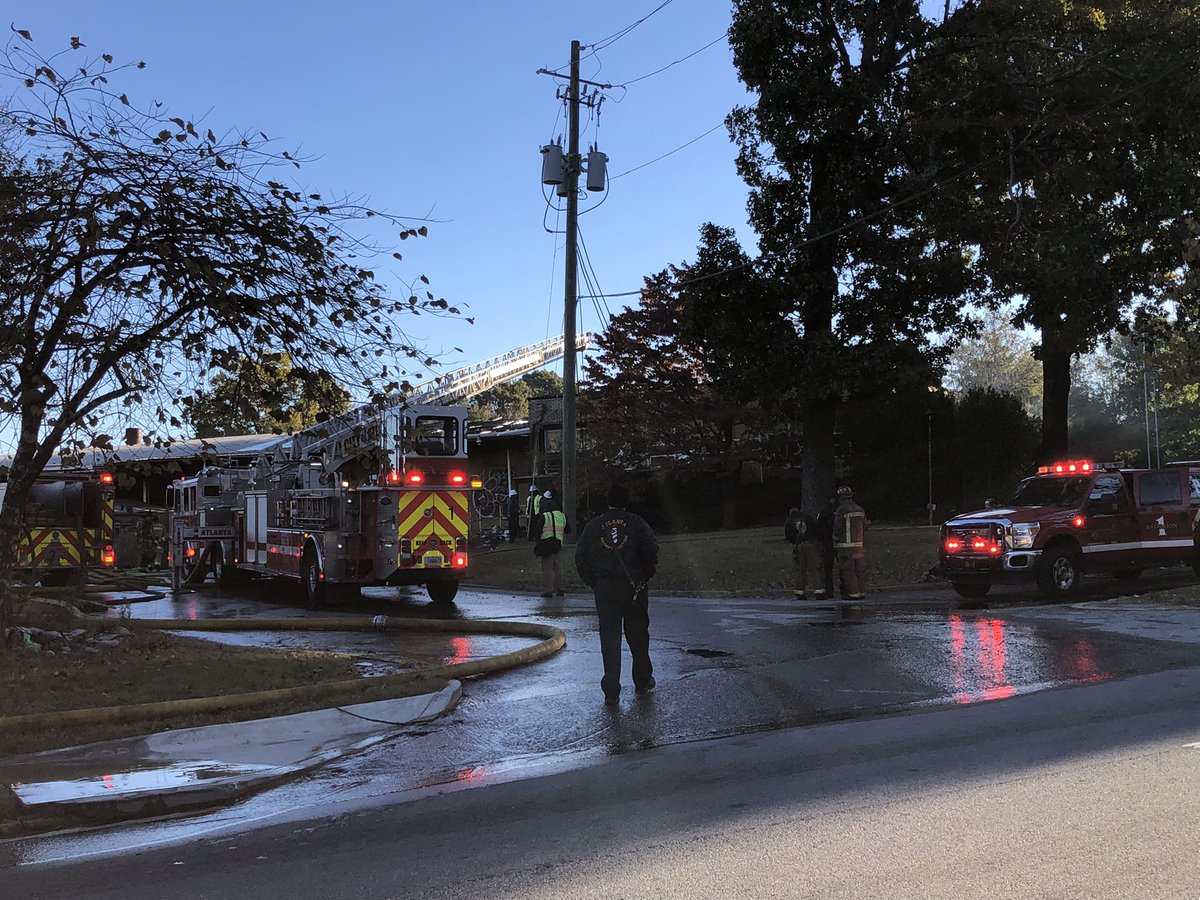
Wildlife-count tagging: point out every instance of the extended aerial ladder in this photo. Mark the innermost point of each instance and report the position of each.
(342, 436)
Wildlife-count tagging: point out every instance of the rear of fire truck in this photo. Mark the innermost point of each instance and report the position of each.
(68, 527)
(432, 494)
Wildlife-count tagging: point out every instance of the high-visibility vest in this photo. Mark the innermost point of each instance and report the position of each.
(534, 506)
(553, 524)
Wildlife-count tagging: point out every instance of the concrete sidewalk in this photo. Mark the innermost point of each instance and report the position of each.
(210, 764)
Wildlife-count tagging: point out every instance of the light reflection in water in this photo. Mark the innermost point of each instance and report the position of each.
(462, 650)
(980, 660)
(978, 667)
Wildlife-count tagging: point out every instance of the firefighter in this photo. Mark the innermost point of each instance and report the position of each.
(801, 532)
(533, 508)
(616, 556)
(553, 525)
(513, 510)
(849, 528)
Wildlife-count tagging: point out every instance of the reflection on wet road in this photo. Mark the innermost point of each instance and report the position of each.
(724, 667)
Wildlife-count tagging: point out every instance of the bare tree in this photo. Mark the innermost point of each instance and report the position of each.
(140, 251)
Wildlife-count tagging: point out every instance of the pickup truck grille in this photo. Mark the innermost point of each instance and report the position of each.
(968, 535)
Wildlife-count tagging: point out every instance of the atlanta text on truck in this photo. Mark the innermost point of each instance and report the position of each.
(1075, 517)
(367, 498)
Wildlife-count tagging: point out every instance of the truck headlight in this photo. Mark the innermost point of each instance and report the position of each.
(1023, 535)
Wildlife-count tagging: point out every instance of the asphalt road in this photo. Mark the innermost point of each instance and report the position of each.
(802, 753)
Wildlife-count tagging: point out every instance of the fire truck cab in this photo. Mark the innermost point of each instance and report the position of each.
(365, 499)
(1072, 518)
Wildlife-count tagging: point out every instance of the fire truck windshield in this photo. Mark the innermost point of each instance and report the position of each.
(432, 436)
(1051, 491)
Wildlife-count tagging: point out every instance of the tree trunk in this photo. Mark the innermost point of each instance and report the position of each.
(12, 526)
(817, 462)
(1056, 389)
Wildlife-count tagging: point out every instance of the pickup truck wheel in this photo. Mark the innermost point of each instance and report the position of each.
(971, 589)
(1059, 574)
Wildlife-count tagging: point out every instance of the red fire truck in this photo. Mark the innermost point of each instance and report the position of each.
(1075, 517)
(68, 527)
(365, 499)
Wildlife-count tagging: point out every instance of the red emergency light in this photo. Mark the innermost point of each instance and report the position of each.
(953, 545)
(393, 477)
(1079, 521)
(109, 556)
(458, 478)
(460, 560)
(1068, 467)
(415, 477)
(106, 478)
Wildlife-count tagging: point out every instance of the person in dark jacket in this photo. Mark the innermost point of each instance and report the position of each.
(617, 554)
(533, 509)
(800, 530)
(513, 511)
(828, 556)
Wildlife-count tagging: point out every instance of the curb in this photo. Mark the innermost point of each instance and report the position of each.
(338, 693)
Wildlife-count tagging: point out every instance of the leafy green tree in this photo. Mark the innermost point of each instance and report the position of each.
(511, 399)
(1064, 140)
(995, 442)
(681, 378)
(264, 396)
(826, 153)
(998, 358)
(142, 252)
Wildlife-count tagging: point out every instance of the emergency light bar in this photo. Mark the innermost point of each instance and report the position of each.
(1070, 467)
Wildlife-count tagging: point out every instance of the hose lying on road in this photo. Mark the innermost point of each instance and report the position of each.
(335, 693)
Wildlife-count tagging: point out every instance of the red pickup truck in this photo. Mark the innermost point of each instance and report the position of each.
(1075, 517)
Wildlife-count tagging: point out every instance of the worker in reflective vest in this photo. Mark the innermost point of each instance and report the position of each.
(849, 528)
(550, 544)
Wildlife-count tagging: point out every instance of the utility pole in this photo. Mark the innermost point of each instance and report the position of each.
(565, 173)
(571, 296)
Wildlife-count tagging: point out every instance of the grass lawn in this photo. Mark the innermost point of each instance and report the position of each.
(747, 561)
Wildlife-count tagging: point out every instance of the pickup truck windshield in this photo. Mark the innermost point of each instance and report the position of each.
(1052, 491)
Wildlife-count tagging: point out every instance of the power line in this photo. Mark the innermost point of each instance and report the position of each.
(625, 84)
(966, 170)
(668, 153)
(617, 35)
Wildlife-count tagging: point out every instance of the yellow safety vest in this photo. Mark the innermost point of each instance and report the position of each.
(553, 524)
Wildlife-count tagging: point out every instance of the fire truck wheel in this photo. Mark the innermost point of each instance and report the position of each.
(442, 591)
(971, 589)
(221, 572)
(310, 581)
(1059, 574)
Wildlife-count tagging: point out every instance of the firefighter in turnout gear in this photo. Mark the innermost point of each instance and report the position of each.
(849, 528)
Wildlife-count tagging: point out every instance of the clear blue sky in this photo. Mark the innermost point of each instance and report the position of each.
(434, 109)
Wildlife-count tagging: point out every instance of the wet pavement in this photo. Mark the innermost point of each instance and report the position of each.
(724, 667)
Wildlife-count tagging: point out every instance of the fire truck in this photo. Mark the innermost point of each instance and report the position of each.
(68, 527)
(1075, 517)
(367, 498)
